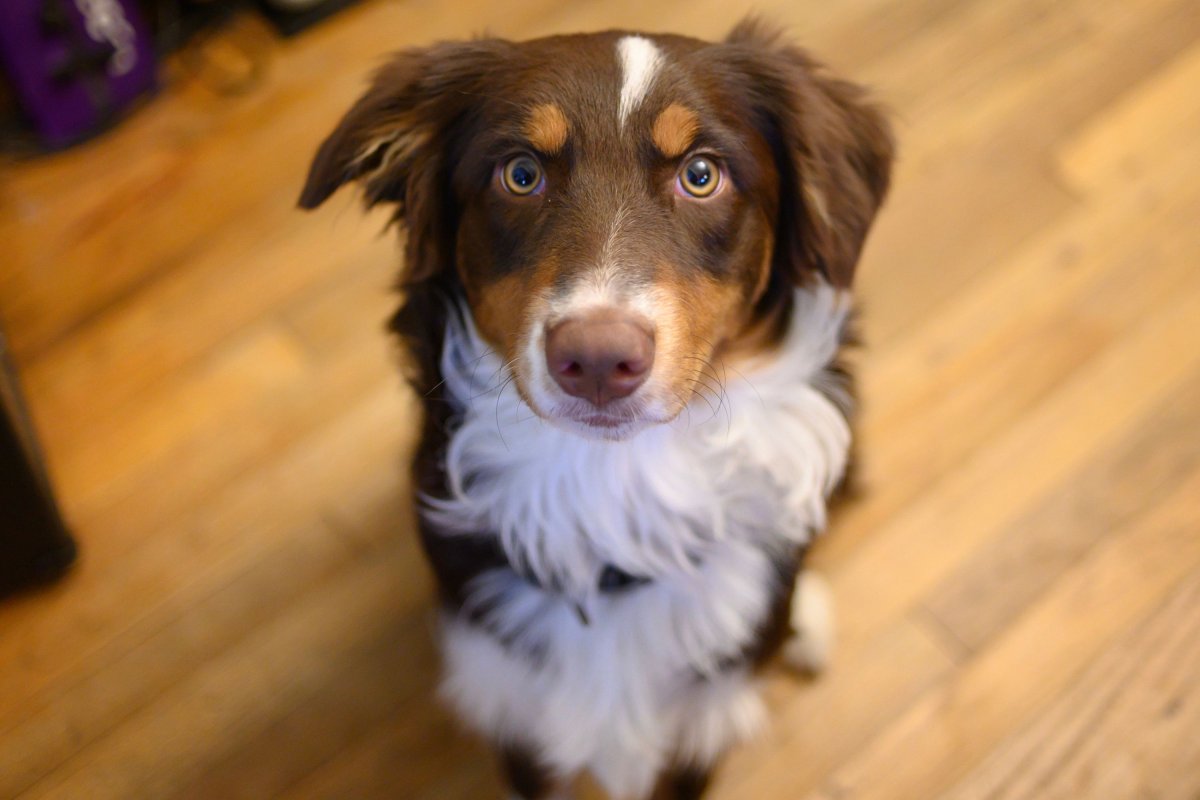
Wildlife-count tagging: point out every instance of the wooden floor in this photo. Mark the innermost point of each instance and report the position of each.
(1018, 588)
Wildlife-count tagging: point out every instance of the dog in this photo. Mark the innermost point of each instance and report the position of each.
(626, 297)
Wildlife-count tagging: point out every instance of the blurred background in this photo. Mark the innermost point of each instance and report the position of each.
(219, 411)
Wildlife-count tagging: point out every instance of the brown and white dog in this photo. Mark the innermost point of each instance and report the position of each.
(626, 287)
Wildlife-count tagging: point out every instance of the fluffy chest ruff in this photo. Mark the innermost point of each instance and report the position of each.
(705, 507)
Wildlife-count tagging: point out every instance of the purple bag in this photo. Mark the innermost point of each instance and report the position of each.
(75, 64)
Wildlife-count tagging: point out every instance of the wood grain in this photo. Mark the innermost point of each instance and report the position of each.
(1018, 586)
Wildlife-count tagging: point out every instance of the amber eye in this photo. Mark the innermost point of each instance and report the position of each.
(699, 177)
(522, 175)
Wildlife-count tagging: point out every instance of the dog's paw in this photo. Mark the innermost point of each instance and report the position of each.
(808, 650)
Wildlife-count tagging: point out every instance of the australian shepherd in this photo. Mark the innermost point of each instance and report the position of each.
(626, 288)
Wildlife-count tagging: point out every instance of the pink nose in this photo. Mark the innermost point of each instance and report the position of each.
(600, 357)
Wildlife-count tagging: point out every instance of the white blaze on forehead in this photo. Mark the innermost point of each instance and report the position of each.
(640, 61)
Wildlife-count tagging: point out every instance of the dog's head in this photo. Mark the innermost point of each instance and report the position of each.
(617, 210)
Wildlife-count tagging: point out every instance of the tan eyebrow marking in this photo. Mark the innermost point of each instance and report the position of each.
(546, 128)
(674, 130)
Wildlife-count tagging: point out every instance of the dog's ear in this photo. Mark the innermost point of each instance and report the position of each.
(834, 153)
(394, 142)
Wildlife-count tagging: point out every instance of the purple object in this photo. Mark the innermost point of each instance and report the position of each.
(75, 64)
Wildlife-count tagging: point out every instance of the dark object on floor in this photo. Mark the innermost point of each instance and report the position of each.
(75, 67)
(34, 544)
(293, 16)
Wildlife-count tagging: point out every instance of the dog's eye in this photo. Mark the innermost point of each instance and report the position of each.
(522, 175)
(699, 177)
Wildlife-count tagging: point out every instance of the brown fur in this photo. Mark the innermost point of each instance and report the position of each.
(835, 153)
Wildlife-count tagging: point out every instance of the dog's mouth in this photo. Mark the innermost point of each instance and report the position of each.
(613, 422)
(603, 421)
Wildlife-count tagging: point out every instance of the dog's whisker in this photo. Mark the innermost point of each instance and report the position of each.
(475, 366)
(710, 369)
(722, 381)
(442, 382)
(701, 379)
(749, 383)
(717, 392)
(499, 375)
(703, 393)
(684, 406)
(499, 394)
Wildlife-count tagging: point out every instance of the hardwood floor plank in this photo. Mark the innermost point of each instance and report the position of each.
(1041, 68)
(152, 754)
(166, 328)
(124, 565)
(59, 639)
(862, 691)
(1134, 475)
(1011, 337)
(949, 731)
(418, 752)
(931, 538)
(52, 725)
(1000, 594)
(242, 385)
(1124, 729)
(1130, 136)
(996, 92)
(387, 680)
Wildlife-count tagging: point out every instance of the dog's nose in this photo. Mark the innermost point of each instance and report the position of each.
(600, 357)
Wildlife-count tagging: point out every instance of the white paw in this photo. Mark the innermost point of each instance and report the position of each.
(808, 650)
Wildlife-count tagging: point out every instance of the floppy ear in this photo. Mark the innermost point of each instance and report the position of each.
(394, 142)
(834, 153)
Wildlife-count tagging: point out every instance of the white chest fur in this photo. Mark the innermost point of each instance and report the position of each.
(698, 505)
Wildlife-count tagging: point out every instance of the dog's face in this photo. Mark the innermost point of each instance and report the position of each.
(617, 210)
(616, 227)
